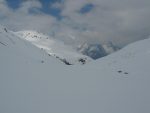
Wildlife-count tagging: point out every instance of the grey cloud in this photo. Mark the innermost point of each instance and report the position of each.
(22, 18)
(119, 21)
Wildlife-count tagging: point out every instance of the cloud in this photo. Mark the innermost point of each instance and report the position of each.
(27, 16)
(86, 8)
(27, 5)
(119, 21)
(57, 5)
(3, 8)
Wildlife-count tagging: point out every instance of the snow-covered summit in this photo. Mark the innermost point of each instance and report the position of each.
(54, 47)
(11, 46)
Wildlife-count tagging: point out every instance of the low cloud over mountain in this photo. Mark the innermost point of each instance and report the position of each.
(74, 21)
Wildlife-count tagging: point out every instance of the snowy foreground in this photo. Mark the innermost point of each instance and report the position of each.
(31, 81)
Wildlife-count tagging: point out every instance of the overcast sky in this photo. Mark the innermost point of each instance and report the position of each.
(119, 21)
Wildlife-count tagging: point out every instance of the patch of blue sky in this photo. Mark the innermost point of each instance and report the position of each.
(14, 4)
(86, 8)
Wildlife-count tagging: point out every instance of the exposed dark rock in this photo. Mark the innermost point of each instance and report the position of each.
(126, 73)
(65, 61)
(5, 30)
(94, 51)
(83, 61)
(42, 61)
(2, 43)
(119, 71)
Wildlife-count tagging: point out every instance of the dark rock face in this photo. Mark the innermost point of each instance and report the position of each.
(82, 60)
(66, 62)
(94, 51)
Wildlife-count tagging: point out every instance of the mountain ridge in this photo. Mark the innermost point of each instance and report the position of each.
(54, 47)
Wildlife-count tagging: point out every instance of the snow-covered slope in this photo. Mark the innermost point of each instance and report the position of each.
(54, 47)
(118, 83)
(12, 47)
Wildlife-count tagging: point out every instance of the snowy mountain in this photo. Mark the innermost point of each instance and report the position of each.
(12, 46)
(54, 47)
(33, 82)
(96, 51)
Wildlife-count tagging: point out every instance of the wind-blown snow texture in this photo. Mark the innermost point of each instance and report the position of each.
(33, 82)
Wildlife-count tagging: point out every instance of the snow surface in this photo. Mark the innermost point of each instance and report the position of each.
(33, 82)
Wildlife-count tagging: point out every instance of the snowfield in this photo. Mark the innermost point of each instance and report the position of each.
(31, 81)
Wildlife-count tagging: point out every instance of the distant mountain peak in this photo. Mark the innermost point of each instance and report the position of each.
(94, 51)
(97, 50)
